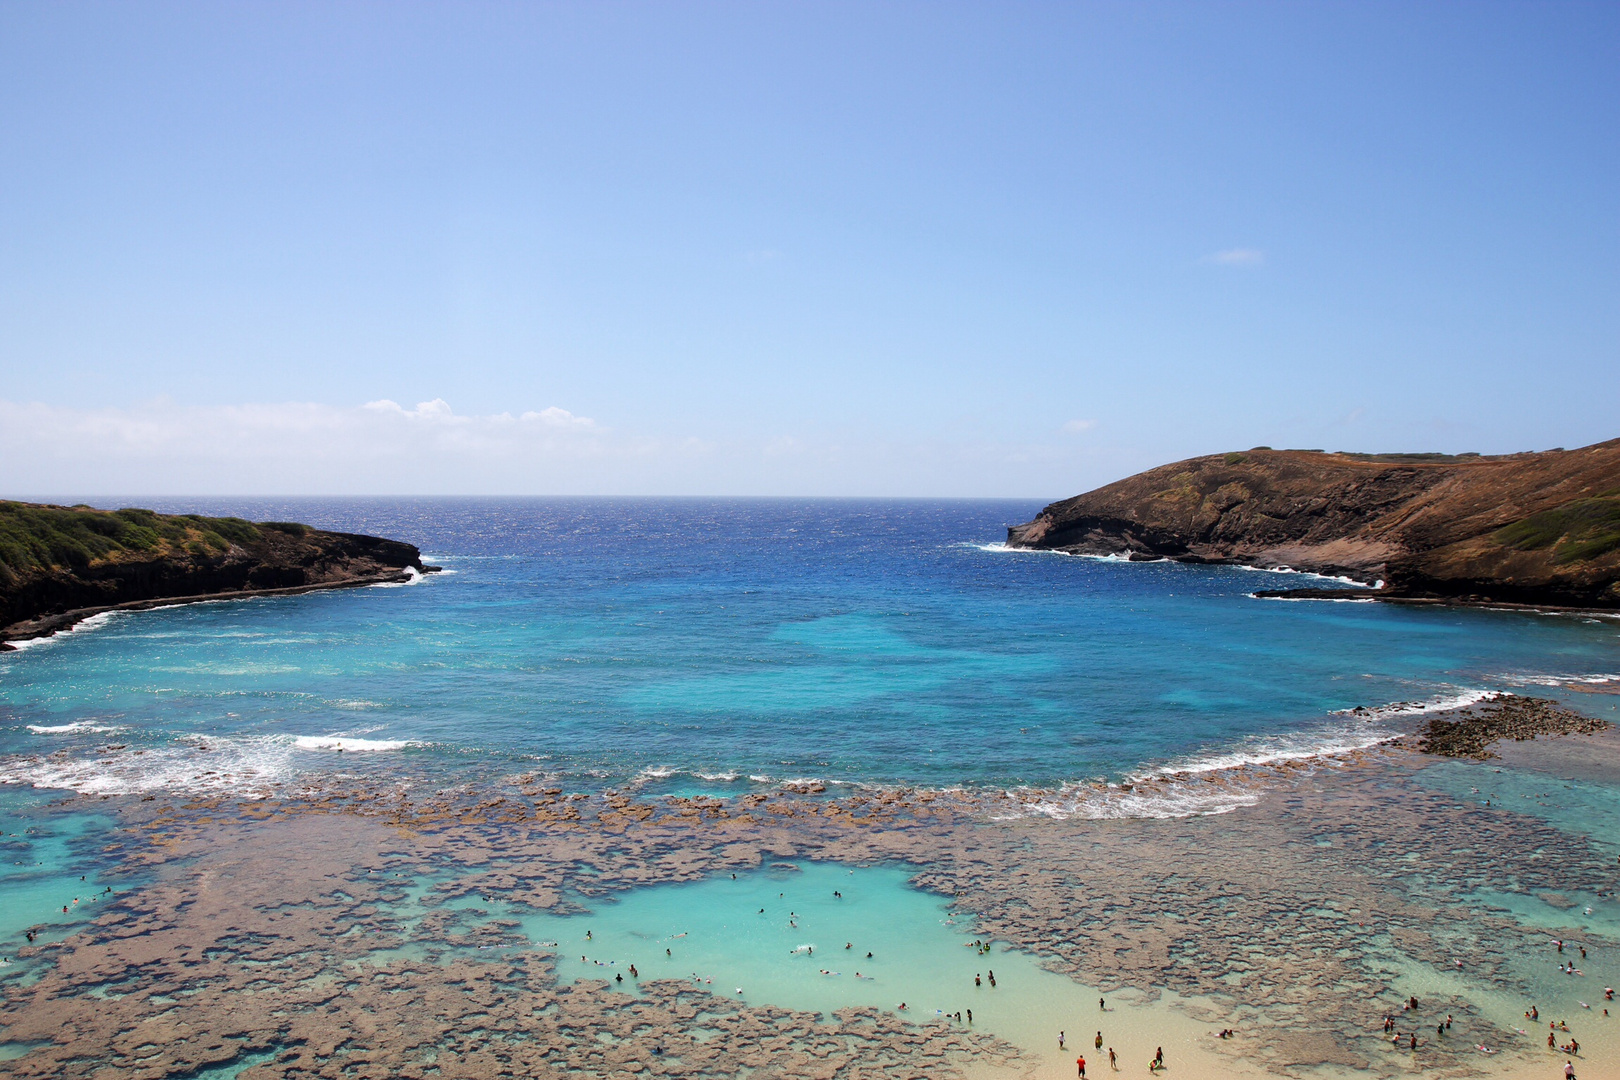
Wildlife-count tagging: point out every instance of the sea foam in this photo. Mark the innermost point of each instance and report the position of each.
(349, 742)
(244, 767)
(78, 727)
(92, 622)
(1093, 802)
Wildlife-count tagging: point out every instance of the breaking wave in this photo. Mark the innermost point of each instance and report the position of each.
(78, 727)
(241, 766)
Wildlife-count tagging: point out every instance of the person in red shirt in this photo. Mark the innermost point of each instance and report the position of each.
(1081, 1062)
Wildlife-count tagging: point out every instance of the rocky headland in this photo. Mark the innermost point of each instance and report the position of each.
(1532, 528)
(61, 564)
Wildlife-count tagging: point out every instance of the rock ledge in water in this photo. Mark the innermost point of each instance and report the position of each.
(1506, 716)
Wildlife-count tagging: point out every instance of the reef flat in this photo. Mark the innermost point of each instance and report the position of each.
(389, 940)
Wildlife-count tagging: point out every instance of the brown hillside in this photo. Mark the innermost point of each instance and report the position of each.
(1538, 528)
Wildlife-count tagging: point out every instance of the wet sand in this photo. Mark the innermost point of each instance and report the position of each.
(284, 934)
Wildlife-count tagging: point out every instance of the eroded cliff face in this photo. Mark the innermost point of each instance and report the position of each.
(1538, 528)
(196, 561)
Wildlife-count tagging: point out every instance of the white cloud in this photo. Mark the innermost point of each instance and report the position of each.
(160, 447)
(1237, 257)
(1075, 427)
(438, 408)
(560, 418)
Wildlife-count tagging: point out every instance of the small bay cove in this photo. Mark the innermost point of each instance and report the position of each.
(1132, 780)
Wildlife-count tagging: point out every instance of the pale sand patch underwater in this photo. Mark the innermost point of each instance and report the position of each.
(363, 931)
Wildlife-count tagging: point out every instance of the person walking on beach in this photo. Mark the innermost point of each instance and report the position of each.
(1569, 1070)
(1060, 1040)
(1080, 1063)
(1098, 1043)
(1113, 1062)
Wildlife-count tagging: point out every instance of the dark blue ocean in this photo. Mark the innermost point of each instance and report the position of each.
(709, 644)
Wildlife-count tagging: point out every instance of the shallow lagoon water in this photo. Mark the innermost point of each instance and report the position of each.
(44, 858)
(778, 936)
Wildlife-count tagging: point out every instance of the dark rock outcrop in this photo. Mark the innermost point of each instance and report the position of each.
(59, 565)
(1533, 528)
(1471, 731)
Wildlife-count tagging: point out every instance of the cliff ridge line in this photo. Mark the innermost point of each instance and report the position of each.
(1534, 528)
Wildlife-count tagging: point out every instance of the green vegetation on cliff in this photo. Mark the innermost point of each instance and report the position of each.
(1583, 529)
(34, 537)
(58, 563)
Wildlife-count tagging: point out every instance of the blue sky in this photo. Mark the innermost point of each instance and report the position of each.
(793, 248)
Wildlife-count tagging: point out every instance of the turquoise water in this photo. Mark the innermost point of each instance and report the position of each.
(780, 936)
(47, 862)
(798, 934)
(714, 644)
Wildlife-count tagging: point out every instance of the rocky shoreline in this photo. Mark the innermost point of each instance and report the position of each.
(46, 625)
